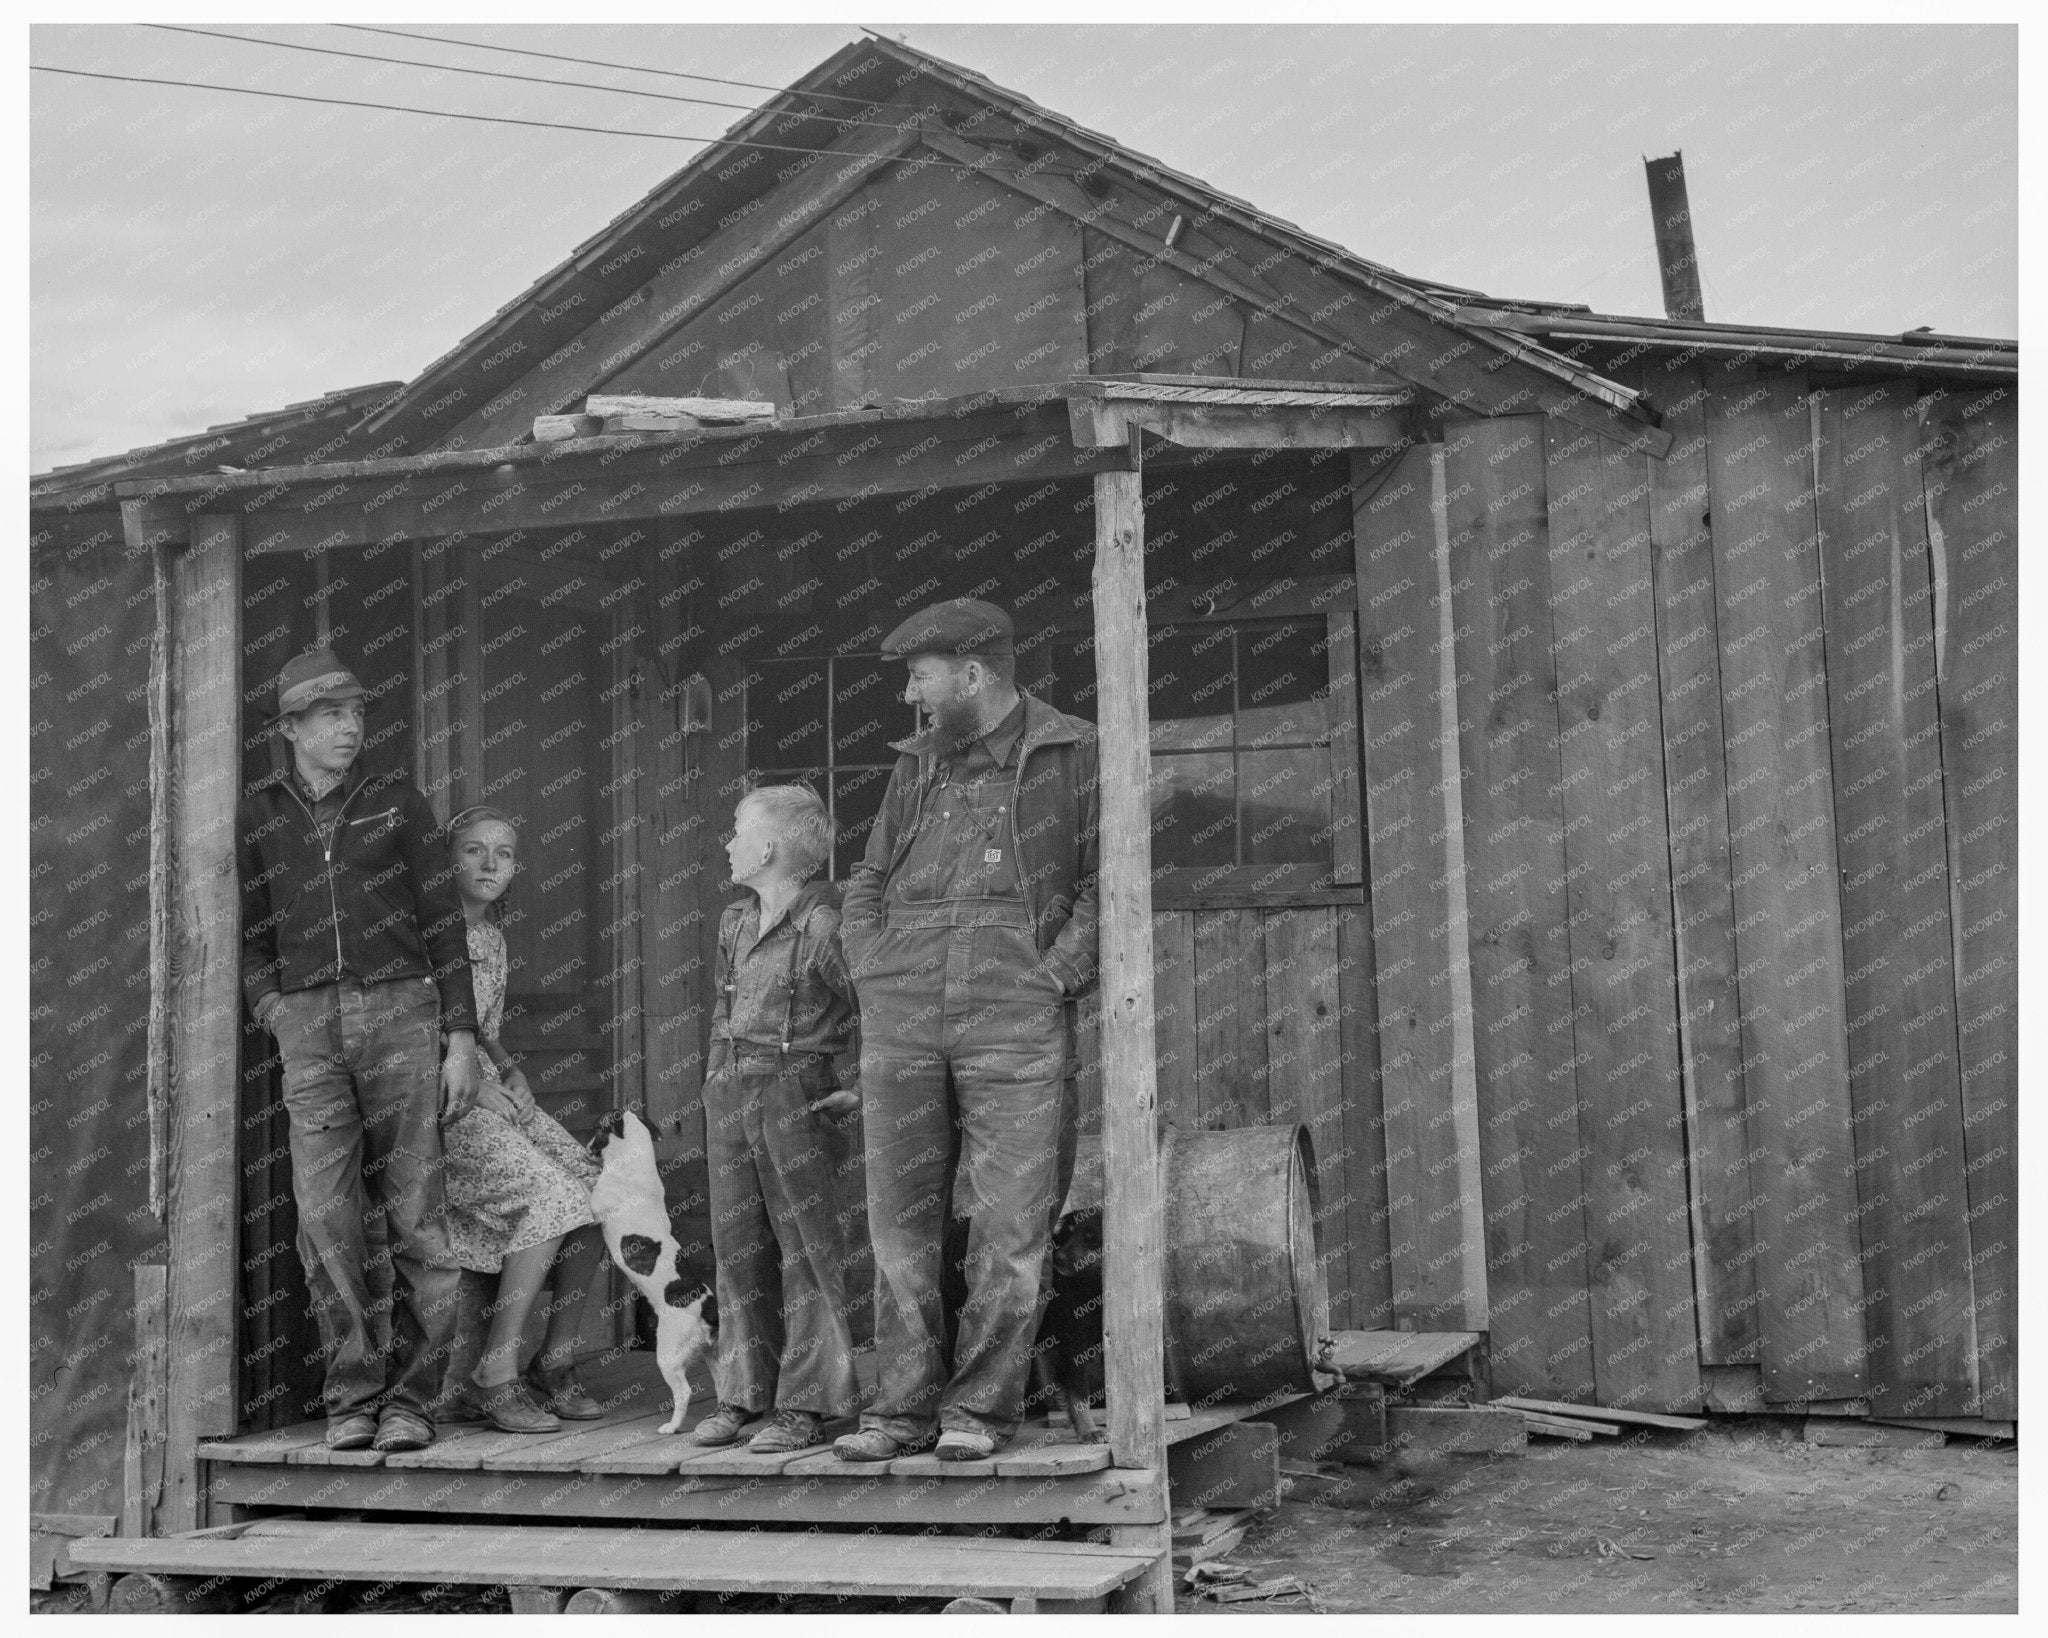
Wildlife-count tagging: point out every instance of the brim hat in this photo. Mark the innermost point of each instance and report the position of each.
(312, 677)
(961, 625)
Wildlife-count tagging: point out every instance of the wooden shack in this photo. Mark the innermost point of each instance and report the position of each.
(1565, 762)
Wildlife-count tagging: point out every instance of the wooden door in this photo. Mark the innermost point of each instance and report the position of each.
(552, 694)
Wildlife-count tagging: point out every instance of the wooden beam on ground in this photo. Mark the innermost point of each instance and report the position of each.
(1134, 1216)
(1568, 1427)
(200, 985)
(1604, 1413)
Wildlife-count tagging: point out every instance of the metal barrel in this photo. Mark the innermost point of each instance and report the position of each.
(1247, 1304)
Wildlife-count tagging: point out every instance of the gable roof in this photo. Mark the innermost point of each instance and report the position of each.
(954, 113)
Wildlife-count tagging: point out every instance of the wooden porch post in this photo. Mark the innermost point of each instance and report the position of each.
(448, 762)
(1133, 1227)
(198, 986)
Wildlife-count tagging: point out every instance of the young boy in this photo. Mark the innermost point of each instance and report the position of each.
(354, 957)
(785, 1058)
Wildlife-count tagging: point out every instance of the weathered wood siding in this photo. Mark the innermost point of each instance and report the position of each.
(1736, 798)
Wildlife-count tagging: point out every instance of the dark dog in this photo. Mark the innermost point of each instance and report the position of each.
(1066, 1358)
(633, 1212)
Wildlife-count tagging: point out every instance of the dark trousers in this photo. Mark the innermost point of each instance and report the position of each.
(783, 1340)
(964, 1044)
(362, 1085)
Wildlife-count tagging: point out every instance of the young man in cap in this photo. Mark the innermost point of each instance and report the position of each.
(354, 957)
(969, 927)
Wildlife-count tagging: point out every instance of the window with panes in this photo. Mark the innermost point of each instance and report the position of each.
(1254, 745)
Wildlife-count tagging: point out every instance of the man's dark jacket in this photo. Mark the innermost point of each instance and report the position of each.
(383, 907)
(1054, 811)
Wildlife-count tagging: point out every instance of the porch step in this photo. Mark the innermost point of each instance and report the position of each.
(716, 1561)
(1396, 1358)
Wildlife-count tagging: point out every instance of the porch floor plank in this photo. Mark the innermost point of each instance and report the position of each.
(857, 1564)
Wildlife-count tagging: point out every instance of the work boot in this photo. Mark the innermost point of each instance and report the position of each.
(722, 1426)
(556, 1388)
(786, 1430)
(402, 1430)
(512, 1410)
(351, 1432)
(874, 1445)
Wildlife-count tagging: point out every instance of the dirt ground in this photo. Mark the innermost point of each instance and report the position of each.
(1741, 1518)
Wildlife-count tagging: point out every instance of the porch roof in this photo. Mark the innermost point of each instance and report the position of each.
(950, 443)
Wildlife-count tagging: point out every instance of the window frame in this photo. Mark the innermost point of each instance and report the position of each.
(1341, 881)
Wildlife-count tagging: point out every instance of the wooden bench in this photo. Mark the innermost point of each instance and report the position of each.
(190, 1572)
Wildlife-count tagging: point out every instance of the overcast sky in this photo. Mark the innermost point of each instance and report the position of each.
(198, 256)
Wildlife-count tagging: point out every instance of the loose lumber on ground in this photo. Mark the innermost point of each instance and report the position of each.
(1861, 1435)
(1606, 1430)
(1186, 1558)
(1604, 1413)
(1454, 1429)
(1558, 1427)
(1964, 1427)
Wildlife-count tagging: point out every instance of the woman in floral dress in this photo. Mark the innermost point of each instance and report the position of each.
(518, 1185)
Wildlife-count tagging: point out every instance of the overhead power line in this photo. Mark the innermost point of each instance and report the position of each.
(592, 62)
(443, 113)
(488, 73)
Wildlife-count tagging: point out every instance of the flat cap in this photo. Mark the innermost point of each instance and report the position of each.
(961, 625)
(314, 676)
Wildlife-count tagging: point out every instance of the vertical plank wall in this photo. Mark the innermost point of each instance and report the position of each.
(1618, 913)
(1435, 1276)
(1736, 732)
(1884, 726)
(1702, 893)
(1259, 1017)
(1970, 465)
(1533, 1101)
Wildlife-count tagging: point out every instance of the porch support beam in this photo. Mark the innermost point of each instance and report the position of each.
(197, 986)
(433, 506)
(1133, 1208)
(448, 676)
(1098, 425)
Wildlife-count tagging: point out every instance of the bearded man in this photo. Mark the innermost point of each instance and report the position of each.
(970, 928)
